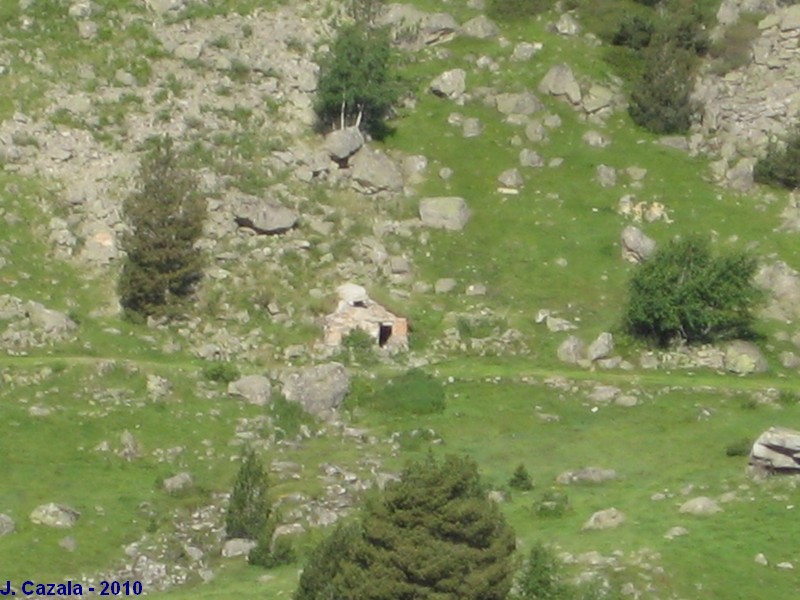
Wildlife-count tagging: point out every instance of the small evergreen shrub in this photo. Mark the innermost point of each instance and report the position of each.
(553, 503)
(221, 372)
(781, 165)
(249, 507)
(685, 292)
(521, 479)
(634, 32)
(540, 577)
(661, 98)
(740, 447)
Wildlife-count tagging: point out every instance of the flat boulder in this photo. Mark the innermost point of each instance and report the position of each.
(602, 347)
(374, 172)
(701, 506)
(320, 390)
(237, 547)
(522, 103)
(776, 451)
(55, 515)
(571, 350)
(343, 143)
(587, 475)
(178, 483)
(255, 389)
(605, 519)
(263, 215)
(444, 212)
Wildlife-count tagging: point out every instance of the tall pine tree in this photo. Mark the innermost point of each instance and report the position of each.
(165, 216)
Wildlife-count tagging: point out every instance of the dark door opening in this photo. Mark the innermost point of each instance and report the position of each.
(384, 334)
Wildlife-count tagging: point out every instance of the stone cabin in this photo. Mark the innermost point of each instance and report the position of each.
(356, 310)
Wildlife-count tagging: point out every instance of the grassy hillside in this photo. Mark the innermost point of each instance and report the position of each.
(554, 245)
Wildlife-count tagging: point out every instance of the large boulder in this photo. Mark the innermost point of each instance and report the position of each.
(602, 347)
(256, 389)
(237, 547)
(783, 285)
(262, 215)
(450, 84)
(343, 143)
(636, 246)
(744, 358)
(54, 515)
(700, 506)
(571, 350)
(444, 212)
(481, 27)
(320, 390)
(777, 450)
(178, 483)
(560, 81)
(522, 103)
(374, 172)
(415, 29)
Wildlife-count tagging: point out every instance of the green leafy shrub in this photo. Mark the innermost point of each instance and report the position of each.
(271, 551)
(510, 10)
(553, 503)
(740, 447)
(249, 507)
(166, 218)
(414, 392)
(634, 32)
(221, 372)
(357, 79)
(781, 165)
(660, 98)
(686, 292)
(521, 479)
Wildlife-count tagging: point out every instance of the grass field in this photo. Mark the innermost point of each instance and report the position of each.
(554, 246)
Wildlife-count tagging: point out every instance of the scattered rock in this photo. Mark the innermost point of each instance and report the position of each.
(178, 483)
(68, 543)
(760, 559)
(602, 347)
(472, 127)
(475, 289)
(701, 506)
(445, 212)
(525, 51)
(571, 350)
(636, 246)
(7, 525)
(237, 547)
(557, 325)
(567, 25)
(450, 84)
(524, 103)
(444, 286)
(560, 81)
(606, 176)
(256, 389)
(262, 215)
(481, 27)
(604, 519)
(511, 178)
(676, 532)
(744, 358)
(587, 475)
(55, 515)
(319, 389)
(530, 158)
(375, 172)
(595, 139)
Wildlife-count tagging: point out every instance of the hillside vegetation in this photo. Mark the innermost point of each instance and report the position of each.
(519, 356)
